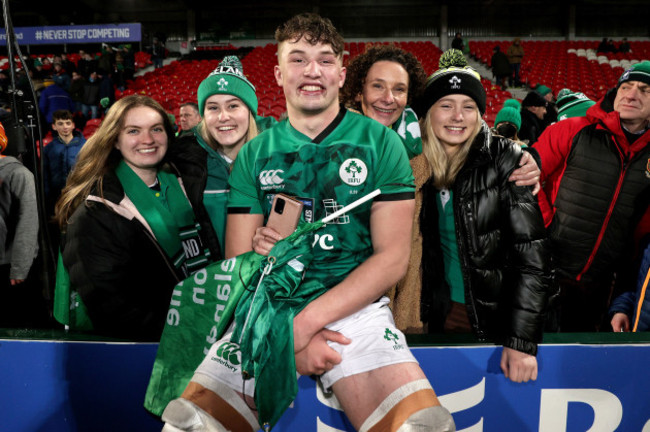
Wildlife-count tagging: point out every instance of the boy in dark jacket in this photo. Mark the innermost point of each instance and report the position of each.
(59, 156)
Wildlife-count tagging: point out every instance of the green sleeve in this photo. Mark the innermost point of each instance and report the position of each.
(243, 196)
(395, 176)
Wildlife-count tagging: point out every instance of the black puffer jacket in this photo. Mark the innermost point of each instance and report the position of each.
(124, 277)
(502, 246)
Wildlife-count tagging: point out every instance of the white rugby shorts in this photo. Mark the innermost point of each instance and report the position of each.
(376, 342)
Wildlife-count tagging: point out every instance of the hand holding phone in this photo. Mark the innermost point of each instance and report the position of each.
(285, 214)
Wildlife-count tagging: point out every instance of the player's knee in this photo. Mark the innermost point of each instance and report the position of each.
(413, 407)
(435, 418)
(181, 415)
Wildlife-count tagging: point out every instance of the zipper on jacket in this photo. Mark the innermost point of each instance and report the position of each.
(610, 210)
(472, 313)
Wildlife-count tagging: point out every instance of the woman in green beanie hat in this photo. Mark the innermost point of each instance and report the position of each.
(228, 106)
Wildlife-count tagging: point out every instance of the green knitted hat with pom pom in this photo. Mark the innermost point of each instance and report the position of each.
(228, 78)
(512, 103)
(452, 77)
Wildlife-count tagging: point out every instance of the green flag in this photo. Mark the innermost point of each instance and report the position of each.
(200, 310)
(68, 308)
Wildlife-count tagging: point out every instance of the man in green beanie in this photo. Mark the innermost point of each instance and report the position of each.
(551, 110)
(596, 171)
(570, 104)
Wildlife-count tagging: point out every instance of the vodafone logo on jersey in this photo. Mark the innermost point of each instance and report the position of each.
(271, 178)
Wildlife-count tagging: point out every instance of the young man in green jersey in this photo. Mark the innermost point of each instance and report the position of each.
(326, 157)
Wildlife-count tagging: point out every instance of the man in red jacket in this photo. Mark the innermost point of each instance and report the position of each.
(596, 191)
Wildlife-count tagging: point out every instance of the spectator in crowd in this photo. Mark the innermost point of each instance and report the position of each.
(90, 99)
(205, 157)
(18, 231)
(86, 64)
(624, 47)
(533, 109)
(128, 57)
(381, 83)
(157, 52)
(596, 193)
(457, 43)
(602, 46)
(53, 98)
(77, 85)
(507, 123)
(68, 65)
(106, 89)
(325, 135)
(515, 54)
(123, 247)
(551, 110)
(106, 58)
(570, 104)
(630, 311)
(500, 67)
(189, 117)
(479, 256)
(37, 72)
(61, 77)
(59, 156)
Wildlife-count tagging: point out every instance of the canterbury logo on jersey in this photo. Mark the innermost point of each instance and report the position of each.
(271, 177)
(229, 355)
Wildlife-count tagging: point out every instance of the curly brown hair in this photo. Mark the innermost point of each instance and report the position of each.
(314, 28)
(360, 65)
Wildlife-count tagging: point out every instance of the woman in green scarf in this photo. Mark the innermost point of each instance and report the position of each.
(381, 83)
(228, 106)
(129, 231)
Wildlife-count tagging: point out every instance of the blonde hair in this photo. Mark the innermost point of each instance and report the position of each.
(209, 139)
(99, 155)
(442, 167)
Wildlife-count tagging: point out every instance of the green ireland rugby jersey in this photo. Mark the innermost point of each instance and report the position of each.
(354, 156)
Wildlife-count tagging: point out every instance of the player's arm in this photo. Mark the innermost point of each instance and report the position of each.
(240, 229)
(390, 226)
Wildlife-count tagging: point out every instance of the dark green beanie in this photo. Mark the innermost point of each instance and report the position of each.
(228, 78)
(638, 72)
(572, 105)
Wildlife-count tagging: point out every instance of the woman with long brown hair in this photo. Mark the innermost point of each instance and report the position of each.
(129, 232)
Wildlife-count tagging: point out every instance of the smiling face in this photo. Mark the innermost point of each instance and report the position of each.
(142, 141)
(310, 75)
(633, 105)
(385, 92)
(227, 119)
(453, 119)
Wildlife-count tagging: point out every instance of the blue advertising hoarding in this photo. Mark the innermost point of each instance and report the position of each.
(82, 386)
(75, 34)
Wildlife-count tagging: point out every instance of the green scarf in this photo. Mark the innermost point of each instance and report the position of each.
(177, 232)
(408, 129)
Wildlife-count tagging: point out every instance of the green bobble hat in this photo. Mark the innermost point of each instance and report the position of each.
(512, 103)
(638, 72)
(228, 78)
(452, 77)
(510, 115)
(542, 89)
(572, 105)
